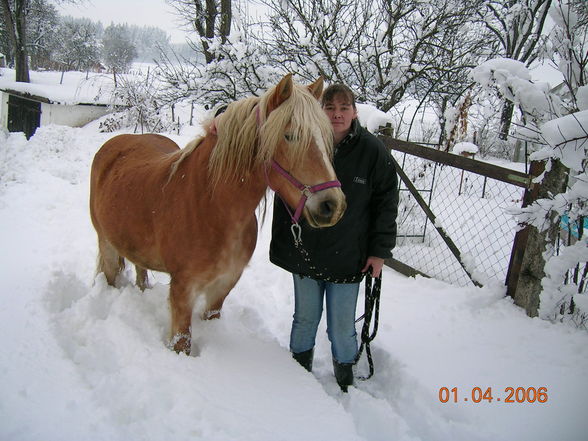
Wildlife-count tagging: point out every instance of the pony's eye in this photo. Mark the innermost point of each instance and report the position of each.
(289, 137)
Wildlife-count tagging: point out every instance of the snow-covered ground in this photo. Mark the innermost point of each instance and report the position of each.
(82, 361)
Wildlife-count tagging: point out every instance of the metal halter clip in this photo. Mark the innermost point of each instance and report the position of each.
(296, 233)
(307, 191)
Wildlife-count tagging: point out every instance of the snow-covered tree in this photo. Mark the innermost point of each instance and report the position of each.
(381, 49)
(239, 66)
(78, 47)
(567, 48)
(446, 86)
(42, 20)
(553, 277)
(517, 29)
(118, 51)
(149, 41)
(25, 23)
(210, 19)
(15, 22)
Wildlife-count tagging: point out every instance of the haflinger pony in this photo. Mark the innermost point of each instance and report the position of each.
(191, 212)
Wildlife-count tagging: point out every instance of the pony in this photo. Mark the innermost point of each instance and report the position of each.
(191, 212)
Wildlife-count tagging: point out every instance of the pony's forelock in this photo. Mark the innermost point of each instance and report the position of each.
(248, 136)
(303, 119)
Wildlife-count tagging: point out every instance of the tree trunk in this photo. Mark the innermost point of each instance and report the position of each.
(226, 20)
(15, 21)
(443, 122)
(506, 119)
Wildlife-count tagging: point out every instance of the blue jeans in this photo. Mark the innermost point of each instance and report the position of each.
(341, 300)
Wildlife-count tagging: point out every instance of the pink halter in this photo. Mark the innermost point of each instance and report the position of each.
(307, 192)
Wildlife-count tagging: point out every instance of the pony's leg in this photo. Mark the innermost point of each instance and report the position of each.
(213, 311)
(109, 261)
(181, 303)
(216, 295)
(142, 279)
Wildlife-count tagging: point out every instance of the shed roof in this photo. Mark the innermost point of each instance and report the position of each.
(45, 87)
(42, 99)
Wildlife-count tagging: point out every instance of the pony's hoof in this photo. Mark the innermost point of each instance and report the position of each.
(181, 343)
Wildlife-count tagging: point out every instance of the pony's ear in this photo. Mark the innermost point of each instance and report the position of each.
(316, 88)
(281, 93)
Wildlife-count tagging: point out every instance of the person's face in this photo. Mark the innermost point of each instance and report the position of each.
(341, 113)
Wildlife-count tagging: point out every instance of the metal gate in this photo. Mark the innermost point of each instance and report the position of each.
(454, 220)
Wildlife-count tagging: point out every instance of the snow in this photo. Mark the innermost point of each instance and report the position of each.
(96, 89)
(514, 82)
(465, 147)
(82, 360)
(372, 118)
(567, 136)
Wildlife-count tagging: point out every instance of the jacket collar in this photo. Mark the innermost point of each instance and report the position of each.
(351, 136)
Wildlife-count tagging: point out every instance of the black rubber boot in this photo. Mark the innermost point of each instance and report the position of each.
(343, 374)
(305, 359)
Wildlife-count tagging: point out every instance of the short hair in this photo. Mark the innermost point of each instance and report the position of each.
(335, 90)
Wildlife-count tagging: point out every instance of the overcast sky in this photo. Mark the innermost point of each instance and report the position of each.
(138, 12)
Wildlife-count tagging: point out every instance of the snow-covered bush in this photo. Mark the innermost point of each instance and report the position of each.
(143, 109)
(565, 272)
(558, 125)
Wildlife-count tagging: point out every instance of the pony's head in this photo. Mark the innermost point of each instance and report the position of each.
(286, 125)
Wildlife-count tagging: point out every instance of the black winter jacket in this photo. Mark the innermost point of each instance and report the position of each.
(368, 227)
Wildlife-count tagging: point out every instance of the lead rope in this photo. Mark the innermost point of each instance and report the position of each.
(371, 310)
(311, 266)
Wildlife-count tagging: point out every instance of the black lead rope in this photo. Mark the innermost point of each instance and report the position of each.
(371, 310)
(372, 301)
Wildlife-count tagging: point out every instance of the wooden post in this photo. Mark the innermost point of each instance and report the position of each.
(386, 130)
(526, 269)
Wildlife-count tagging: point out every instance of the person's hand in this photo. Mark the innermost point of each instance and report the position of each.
(376, 263)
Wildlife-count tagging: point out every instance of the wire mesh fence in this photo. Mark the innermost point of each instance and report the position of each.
(473, 210)
(574, 305)
(456, 223)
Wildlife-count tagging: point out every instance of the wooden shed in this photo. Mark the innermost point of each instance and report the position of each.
(22, 111)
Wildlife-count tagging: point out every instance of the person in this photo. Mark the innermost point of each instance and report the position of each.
(333, 260)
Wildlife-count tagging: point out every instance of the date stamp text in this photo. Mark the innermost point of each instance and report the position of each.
(486, 395)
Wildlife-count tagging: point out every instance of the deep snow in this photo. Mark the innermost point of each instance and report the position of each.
(83, 361)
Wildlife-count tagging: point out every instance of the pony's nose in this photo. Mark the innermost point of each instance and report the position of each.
(328, 212)
(327, 209)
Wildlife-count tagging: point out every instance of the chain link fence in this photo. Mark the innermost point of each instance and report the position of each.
(471, 211)
(575, 307)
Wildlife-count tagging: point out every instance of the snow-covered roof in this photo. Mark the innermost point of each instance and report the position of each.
(46, 87)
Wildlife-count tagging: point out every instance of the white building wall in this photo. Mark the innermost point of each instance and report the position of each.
(69, 115)
(3, 110)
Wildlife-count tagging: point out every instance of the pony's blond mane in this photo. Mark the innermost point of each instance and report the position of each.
(248, 136)
(183, 154)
